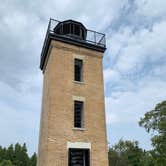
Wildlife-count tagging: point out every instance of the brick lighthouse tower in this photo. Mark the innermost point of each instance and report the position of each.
(72, 129)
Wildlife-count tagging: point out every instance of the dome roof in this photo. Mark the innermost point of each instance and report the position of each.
(71, 29)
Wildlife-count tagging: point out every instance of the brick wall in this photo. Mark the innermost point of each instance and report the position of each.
(57, 117)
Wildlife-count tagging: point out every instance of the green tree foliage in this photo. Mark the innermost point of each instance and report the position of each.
(155, 121)
(6, 163)
(16, 156)
(33, 160)
(128, 153)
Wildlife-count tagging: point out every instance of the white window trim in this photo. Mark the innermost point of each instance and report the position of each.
(78, 98)
(79, 82)
(81, 129)
(79, 145)
(77, 56)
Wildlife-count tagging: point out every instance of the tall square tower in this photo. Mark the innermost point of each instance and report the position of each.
(72, 128)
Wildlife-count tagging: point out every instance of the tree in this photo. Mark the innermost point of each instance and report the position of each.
(16, 156)
(128, 153)
(6, 163)
(33, 160)
(10, 153)
(155, 121)
(24, 156)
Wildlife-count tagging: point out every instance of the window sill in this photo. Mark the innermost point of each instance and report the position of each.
(79, 82)
(81, 129)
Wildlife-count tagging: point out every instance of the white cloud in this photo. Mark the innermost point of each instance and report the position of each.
(17, 126)
(135, 79)
(141, 47)
(129, 106)
(151, 8)
(19, 118)
(111, 75)
(143, 50)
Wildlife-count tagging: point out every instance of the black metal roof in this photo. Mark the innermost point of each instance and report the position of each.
(71, 21)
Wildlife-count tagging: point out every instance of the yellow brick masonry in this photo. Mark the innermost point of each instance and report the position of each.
(56, 128)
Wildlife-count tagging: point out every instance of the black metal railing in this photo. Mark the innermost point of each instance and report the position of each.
(92, 37)
(89, 38)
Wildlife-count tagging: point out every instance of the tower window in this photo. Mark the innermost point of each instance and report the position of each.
(78, 114)
(78, 65)
(79, 157)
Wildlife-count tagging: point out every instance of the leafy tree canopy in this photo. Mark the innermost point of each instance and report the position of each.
(155, 121)
(6, 163)
(128, 153)
(16, 156)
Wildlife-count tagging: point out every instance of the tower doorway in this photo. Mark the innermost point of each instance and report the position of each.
(79, 157)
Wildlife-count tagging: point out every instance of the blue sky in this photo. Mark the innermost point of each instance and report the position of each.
(134, 63)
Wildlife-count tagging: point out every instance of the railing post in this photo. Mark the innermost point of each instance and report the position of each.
(49, 25)
(95, 36)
